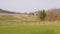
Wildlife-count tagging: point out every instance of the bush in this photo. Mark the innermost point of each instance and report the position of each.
(42, 15)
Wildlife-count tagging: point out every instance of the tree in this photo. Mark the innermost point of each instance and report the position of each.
(42, 15)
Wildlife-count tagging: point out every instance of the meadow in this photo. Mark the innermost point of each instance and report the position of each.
(30, 29)
(26, 24)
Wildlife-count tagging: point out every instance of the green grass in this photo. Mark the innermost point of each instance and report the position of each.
(30, 29)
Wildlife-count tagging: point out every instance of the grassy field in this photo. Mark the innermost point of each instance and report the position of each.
(17, 18)
(26, 24)
(30, 29)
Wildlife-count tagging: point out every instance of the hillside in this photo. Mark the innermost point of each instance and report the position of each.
(11, 18)
(6, 11)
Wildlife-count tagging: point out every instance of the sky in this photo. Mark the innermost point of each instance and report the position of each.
(28, 5)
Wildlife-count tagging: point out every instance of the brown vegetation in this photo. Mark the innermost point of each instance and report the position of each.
(51, 14)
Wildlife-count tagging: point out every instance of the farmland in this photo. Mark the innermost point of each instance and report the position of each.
(26, 24)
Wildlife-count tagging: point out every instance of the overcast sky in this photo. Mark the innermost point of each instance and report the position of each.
(28, 5)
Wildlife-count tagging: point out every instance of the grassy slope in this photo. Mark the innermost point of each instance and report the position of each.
(16, 19)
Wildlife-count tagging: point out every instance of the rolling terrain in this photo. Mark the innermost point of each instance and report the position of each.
(16, 23)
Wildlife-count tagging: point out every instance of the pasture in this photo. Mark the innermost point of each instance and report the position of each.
(26, 24)
(30, 29)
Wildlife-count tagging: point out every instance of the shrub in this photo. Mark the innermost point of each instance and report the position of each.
(42, 15)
